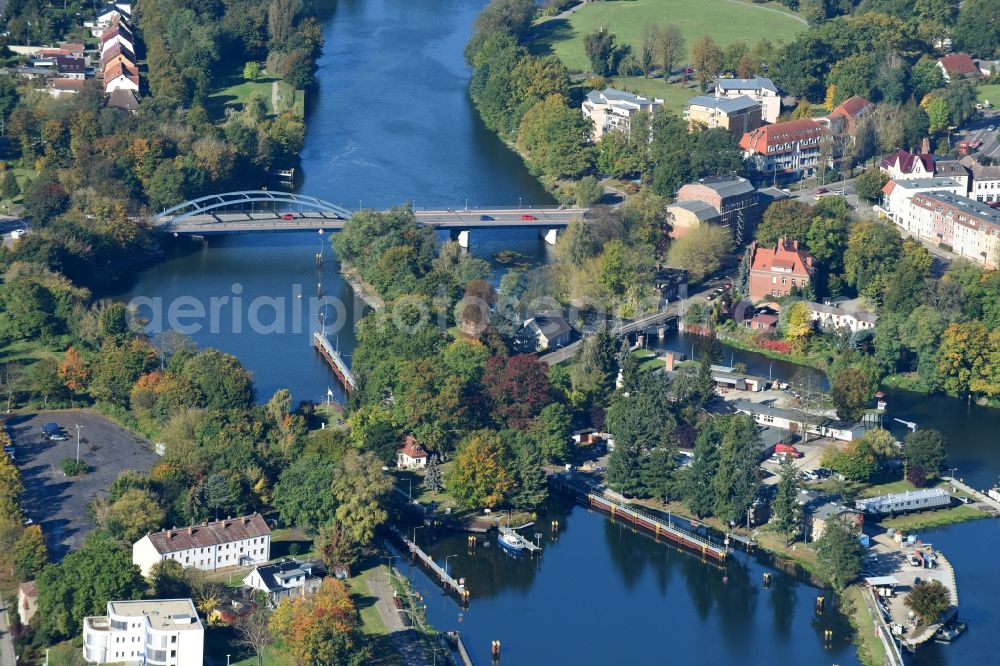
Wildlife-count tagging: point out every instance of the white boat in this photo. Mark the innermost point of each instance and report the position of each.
(950, 632)
(511, 541)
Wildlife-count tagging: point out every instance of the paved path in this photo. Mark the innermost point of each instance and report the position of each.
(403, 637)
(6, 642)
(981, 498)
(275, 97)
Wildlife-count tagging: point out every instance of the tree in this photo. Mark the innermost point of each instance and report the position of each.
(167, 580)
(251, 70)
(670, 46)
(432, 478)
(280, 20)
(552, 429)
(73, 370)
(963, 356)
(858, 462)
(850, 391)
(588, 191)
(706, 57)
(924, 449)
(978, 28)
(302, 495)
(480, 475)
(83, 583)
(838, 554)
(221, 379)
(9, 189)
(254, 632)
(554, 137)
(701, 250)
(938, 114)
(321, 628)
(797, 323)
(738, 480)
(30, 553)
(925, 76)
(43, 377)
(130, 516)
(928, 600)
(870, 183)
(361, 488)
(788, 219)
(698, 489)
(517, 389)
(785, 507)
(531, 487)
(601, 51)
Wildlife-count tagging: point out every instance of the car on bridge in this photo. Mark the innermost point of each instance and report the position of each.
(485, 218)
(287, 217)
(528, 218)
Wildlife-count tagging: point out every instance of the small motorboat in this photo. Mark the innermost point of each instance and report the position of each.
(511, 541)
(949, 632)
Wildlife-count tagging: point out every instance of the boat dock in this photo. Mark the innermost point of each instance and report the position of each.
(528, 545)
(335, 360)
(456, 587)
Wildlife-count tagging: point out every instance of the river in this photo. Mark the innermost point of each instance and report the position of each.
(391, 123)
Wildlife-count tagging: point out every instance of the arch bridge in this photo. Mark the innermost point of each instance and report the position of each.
(256, 210)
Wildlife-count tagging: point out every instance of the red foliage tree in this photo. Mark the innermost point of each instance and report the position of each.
(517, 389)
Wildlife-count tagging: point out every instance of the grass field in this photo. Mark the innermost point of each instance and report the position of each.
(989, 93)
(237, 91)
(726, 21)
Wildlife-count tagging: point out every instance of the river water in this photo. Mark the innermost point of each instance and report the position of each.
(392, 123)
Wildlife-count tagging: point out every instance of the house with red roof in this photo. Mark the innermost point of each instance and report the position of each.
(903, 165)
(411, 455)
(845, 118)
(785, 151)
(958, 66)
(774, 272)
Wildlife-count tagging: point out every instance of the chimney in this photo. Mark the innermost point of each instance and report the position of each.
(668, 361)
(190, 531)
(925, 145)
(246, 520)
(173, 534)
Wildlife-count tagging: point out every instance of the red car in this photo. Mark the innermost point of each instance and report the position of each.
(528, 218)
(287, 217)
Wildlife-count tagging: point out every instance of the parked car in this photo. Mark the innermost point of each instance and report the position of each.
(810, 475)
(485, 218)
(18, 233)
(57, 437)
(528, 218)
(788, 449)
(822, 190)
(823, 472)
(49, 428)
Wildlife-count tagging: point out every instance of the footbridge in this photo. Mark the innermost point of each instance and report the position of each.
(265, 211)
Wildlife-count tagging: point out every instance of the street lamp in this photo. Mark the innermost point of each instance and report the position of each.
(447, 557)
(418, 527)
(409, 490)
(78, 426)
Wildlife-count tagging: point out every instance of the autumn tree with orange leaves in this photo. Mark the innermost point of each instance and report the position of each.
(73, 370)
(321, 628)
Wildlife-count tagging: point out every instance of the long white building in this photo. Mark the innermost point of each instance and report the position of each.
(209, 546)
(155, 632)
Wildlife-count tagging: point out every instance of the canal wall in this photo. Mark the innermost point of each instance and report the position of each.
(364, 291)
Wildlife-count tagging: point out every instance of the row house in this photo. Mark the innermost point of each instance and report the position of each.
(108, 14)
(971, 229)
(760, 89)
(786, 151)
(209, 546)
(613, 110)
(896, 195)
(775, 272)
(166, 632)
(119, 64)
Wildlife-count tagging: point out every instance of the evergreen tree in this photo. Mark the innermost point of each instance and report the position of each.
(432, 479)
(786, 509)
(737, 481)
(657, 473)
(838, 553)
(628, 368)
(531, 489)
(9, 187)
(625, 469)
(741, 285)
(699, 493)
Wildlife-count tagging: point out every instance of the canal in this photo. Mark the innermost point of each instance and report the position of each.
(392, 123)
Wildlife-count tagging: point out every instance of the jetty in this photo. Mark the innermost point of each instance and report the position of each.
(528, 545)
(335, 360)
(450, 584)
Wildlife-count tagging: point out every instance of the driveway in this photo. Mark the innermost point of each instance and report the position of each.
(59, 503)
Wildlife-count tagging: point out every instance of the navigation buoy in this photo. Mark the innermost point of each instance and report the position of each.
(495, 650)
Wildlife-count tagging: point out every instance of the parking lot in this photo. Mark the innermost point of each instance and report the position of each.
(59, 503)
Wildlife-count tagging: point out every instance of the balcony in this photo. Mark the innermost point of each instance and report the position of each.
(97, 623)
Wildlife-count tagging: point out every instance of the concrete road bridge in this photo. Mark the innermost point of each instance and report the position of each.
(265, 211)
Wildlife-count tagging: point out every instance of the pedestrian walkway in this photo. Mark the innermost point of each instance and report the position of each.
(981, 498)
(6, 642)
(403, 638)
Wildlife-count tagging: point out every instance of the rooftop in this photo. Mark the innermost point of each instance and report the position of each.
(209, 534)
(785, 257)
(756, 83)
(959, 63)
(726, 105)
(272, 574)
(724, 186)
(411, 447)
(972, 212)
(700, 209)
(621, 98)
(172, 614)
(781, 135)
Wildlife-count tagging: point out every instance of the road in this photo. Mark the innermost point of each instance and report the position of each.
(498, 218)
(6, 642)
(977, 129)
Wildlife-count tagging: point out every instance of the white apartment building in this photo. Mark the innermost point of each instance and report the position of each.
(841, 313)
(968, 228)
(896, 196)
(985, 185)
(209, 546)
(611, 109)
(154, 632)
(760, 89)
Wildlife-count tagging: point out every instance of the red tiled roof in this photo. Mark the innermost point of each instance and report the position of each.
(412, 448)
(852, 107)
(67, 84)
(907, 160)
(785, 254)
(119, 50)
(778, 134)
(118, 68)
(889, 187)
(210, 534)
(959, 63)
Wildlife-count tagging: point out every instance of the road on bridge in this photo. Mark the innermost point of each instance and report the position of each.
(498, 218)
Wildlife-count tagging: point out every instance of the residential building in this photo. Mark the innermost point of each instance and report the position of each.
(822, 515)
(27, 601)
(71, 67)
(734, 198)
(119, 76)
(737, 115)
(729, 377)
(786, 151)
(123, 99)
(151, 631)
(760, 89)
(209, 546)
(903, 164)
(284, 579)
(411, 455)
(913, 500)
(762, 321)
(844, 119)
(896, 195)
(794, 420)
(958, 66)
(985, 181)
(546, 332)
(59, 87)
(987, 67)
(118, 33)
(955, 170)
(971, 229)
(118, 53)
(611, 109)
(774, 272)
(684, 216)
(842, 313)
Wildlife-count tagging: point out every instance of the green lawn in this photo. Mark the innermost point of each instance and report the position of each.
(726, 21)
(926, 520)
(674, 95)
(237, 92)
(990, 93)
(26, 352)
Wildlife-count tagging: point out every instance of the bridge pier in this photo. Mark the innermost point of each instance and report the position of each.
(550, 236)
(462, 236)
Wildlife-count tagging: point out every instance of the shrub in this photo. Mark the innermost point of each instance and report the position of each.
(74, 467)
